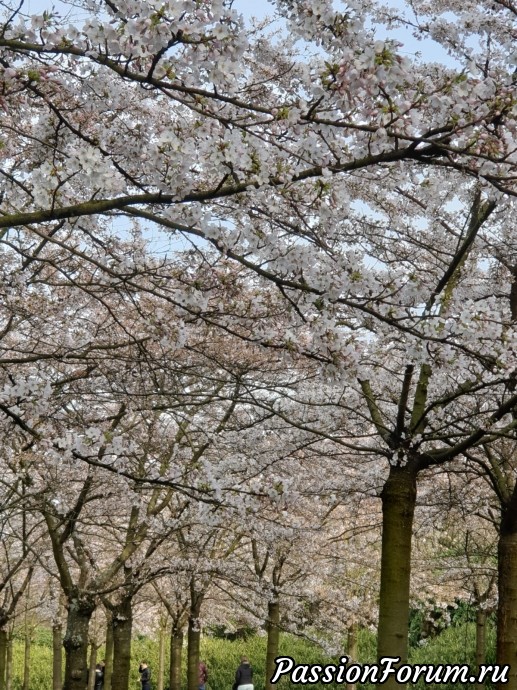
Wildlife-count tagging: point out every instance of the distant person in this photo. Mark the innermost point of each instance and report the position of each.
(243, 676)
(203, 675)
(98, 683)
(145, 675)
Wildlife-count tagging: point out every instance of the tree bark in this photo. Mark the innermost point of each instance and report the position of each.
(507, 606)
(273, 639)
(3, 658)
(480, 642)
(57, 656)
(193, 644)
(352, 650)
(122, 627)
(176, 653)
(161, 655)
(27, 659)
(93, 663)
(80, 611)
(398, 507)
(108, 668)
(9, 663)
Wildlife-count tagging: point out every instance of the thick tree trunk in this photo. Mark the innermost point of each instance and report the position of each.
(27, 660)
(93, 663)
(76, 643)
(161, 656)
(176, 653)
(122, 627)
(507, 606)
(398, 506)
(193, 642)
(57, 657)
(352, 650)
(108, 668)
(9, 663)
(273, 638)
(480, 642)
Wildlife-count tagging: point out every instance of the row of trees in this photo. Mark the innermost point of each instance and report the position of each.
(307, 562)
(343, 323)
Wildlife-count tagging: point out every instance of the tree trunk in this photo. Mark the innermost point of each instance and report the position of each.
(398, 507)
(76, 643)
(352, 650)
(176, 653)
(9, 663)
(57, 657)
(507, 606)
(193, 642)
(273, 638)
(27, 660)
(122, 627)
(161, 655)
(3, 657)
(108, 668)
(480, 642)
(93, 663)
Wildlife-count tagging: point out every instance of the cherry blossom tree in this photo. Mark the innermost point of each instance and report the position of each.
(344, 202)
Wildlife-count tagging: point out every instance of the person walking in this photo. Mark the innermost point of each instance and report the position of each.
(98, 682)
(203, 675)
(243, 676)
(145, 675)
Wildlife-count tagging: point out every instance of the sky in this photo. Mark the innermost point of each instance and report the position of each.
(261, 8)
(257, 8)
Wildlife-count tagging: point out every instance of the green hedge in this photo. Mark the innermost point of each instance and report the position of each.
(454, 645)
